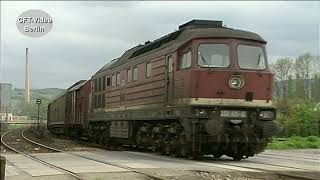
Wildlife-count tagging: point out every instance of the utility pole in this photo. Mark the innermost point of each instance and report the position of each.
(38, 103)
(26, 80)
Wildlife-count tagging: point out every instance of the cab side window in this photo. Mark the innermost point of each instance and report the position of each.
(148, 69)
(129, 75)
(108, 81)
(185, 60)
(135, 73)
(118, 79)
(169, 64)
(113, 82)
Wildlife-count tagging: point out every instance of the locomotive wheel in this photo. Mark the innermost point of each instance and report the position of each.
(166, 148)
(240, 152)
(182, 149)
(103, 141)
(96, 139)
(217, 155)
(139, 140)
(237, 157)
(237, 148)
(197, 156)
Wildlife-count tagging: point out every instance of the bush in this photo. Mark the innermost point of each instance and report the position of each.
(313, 139)
(300, 119)
(296, 142)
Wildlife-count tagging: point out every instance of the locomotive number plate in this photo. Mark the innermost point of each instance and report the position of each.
(240, 114)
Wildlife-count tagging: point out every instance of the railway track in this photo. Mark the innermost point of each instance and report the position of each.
(6, 144)
(155, 177)
(280, 175)
(308, 157)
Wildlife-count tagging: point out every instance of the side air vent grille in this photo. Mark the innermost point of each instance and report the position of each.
(201, 24)
(155, 44)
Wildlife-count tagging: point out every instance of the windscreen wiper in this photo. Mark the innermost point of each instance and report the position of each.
(203, 59)
(258, 59)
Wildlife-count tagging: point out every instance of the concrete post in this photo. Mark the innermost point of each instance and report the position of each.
(3, 167)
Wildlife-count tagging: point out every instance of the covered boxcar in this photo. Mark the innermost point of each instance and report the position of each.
(56, 114)
(67, 114)
(77, 108)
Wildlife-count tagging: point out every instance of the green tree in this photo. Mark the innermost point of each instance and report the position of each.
(303, 71)
(281, 69)
(315, 88)
(291, 88)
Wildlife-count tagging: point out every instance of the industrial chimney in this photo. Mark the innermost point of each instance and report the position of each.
(26, 82)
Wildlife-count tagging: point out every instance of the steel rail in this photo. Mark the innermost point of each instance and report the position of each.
(35, 158)
(92, 159)
(289, 156)
(279, 174)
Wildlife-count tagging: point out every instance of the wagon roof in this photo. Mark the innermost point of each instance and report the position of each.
(71, 88)
(59, 95)
(194, 29)
(78, 86)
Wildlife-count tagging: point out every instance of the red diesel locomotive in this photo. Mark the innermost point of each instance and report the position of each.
(204, 89)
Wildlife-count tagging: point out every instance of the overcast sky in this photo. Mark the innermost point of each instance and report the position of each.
(86, 35)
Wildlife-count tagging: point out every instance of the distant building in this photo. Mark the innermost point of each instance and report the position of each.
(5, 97)
(6, 117)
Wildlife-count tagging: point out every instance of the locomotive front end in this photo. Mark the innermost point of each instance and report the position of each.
(231, 96)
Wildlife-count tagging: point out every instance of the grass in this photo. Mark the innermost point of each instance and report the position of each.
(295, 142)
(14, 126)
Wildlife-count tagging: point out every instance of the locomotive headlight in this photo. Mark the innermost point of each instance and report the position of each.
(200, 112)
(266, 115)
(236, 82)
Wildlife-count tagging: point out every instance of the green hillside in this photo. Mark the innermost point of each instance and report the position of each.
(37, 93)
(20, 107)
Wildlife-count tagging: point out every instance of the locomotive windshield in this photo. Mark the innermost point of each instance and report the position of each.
(251, 57)
(213, 55)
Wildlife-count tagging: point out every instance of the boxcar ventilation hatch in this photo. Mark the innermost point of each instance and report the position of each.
(155, 44)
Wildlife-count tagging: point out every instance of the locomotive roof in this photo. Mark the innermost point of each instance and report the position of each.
(191, 30)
